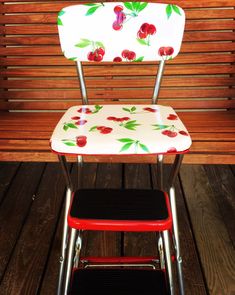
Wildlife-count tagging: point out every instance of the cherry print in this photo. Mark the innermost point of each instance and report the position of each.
(129, 55)
(117, 26)
(118, 9)
(144, 27)
(151, 30)
(98, 57)
(172, 150)
(81, 122)
(100, 127)
(169, 133)
(100, 50)
(150, 110)
(146, 30)
(75, 118)
(81, 141)
(172, 117)
(182, 132)
(90, 56)
(142, 35)
(85, 110)
(111, 118)
(165, 51)
(118, 119)
(106, 130)
(117, 59)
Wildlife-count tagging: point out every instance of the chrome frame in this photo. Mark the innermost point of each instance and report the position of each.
(158, 81)
(82, 83)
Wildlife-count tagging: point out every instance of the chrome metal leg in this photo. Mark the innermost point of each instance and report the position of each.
(166, 241)
(78, 248)
(69, 261)
(64, 241)
(160, 171)
(176, 240)
(161, 251)
(80, 165)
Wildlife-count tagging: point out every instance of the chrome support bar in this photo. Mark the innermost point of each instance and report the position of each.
(65, 169)
(82, 83)
(158, 81)
(160, 171)
(166, 241)
(80, 166)
(175, 169)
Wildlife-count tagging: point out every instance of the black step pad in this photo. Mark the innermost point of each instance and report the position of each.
(118, 282)
(119, 204)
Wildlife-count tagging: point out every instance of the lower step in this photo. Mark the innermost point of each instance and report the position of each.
(118, 282)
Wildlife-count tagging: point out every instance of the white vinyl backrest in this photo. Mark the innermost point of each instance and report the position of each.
(121, 31)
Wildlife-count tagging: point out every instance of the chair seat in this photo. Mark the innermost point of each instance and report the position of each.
(120, 210)
(118, 282)
(120, 129)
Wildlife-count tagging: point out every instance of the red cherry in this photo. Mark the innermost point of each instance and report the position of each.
(111, 118)
(75, 118)
(172, 117)
(131, 55)
(90, 56)
(85, 110)
(172, 150)
(151, 30)
(172, 134)
(166, 132)
(106, 130)
(81, 122)
(125, 53)
(150, 110)
(144, 27)
(100, 51)
(161, 51)
(81, 141)
(169, 50)
(182, 132)
(142, 35)
(117, 59)
(100, 127)
(98, 57)
(125, 119)
(117, 26)
(118, 9)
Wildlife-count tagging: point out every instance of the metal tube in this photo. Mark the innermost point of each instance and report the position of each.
(158, 81)
(69, 260)
(78, 249)
(176, 240)
(82, 83)
(166, 242)
(64, 240)
(160, 171)
(175, 169)
(64, 166)
(80, 165)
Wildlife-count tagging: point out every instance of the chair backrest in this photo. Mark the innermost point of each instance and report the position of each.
(121, 31)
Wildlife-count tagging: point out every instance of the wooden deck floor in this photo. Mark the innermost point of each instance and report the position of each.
(31, 202)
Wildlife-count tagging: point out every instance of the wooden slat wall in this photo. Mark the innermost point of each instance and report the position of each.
(35, 75)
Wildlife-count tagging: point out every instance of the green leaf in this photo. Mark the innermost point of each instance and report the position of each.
(73, 58)
(176, 9)
(139, 59)
(59, 22)
(99, 44)
(133, 122)
(97, 107)
(136, 6)
(126, 140)
(128, 5)
(142, 6)
(66, 127)
(83, 43)
(130, 127)
(126, 109)
(144, 148)
(160, 127)
(142, 41)
(62, 12)
(169, 10)
(69, 143)
(71, 125)
(91, 4)
(92, 10)
(93, 128)
(133, 109)
(126, 147)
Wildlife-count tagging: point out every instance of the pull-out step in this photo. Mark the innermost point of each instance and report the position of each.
(99, 281)
(117, 209)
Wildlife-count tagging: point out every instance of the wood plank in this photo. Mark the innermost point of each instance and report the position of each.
(223, 185)
(182, 58)
(30, 254)
(194, 284)
(58, 5)
(15, 209)
(210, 232)
(7, 174)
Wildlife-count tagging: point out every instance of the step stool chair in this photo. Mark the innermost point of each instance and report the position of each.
(120, 32)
